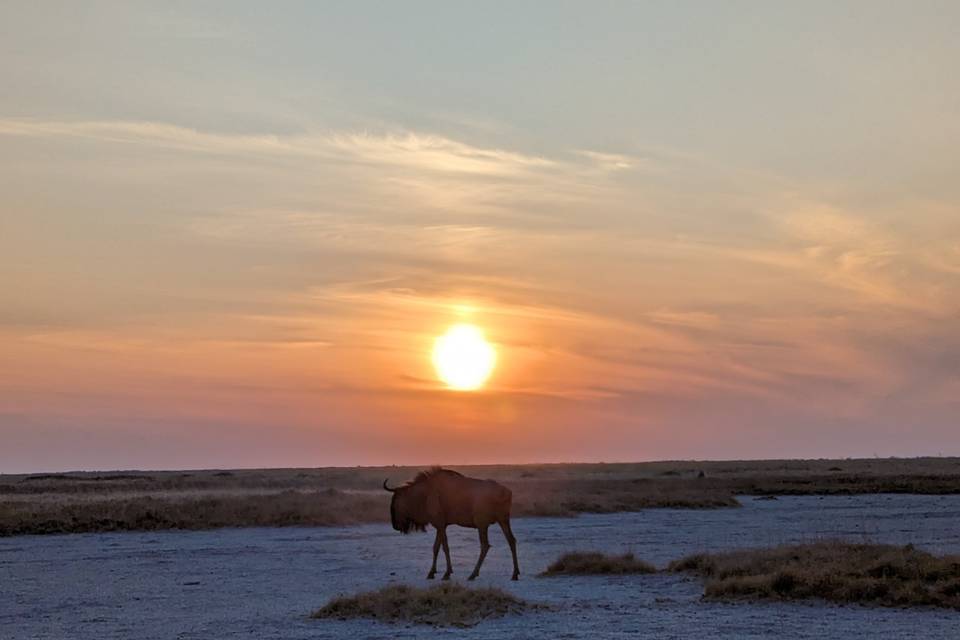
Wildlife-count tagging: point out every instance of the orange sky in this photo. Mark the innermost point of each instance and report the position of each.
(245, 260)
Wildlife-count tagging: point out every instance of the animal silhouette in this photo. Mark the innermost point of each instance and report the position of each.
(441, 497)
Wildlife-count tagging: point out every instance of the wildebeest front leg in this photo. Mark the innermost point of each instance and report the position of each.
(446, 553)
(436, 550)
(484, 547)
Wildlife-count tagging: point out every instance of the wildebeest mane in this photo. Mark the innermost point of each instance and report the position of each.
(432, 472)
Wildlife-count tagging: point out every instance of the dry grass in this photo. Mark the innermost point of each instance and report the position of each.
(568, 497)
(146, 513)
(443, 605)
(79, 503)
(596, 563)
(130, 500)
(835, 571)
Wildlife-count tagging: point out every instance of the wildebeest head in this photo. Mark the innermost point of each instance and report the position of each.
(404, 509)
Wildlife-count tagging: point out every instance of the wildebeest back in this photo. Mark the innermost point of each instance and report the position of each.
(467, 501)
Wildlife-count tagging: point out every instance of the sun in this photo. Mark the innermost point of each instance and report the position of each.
(463, 358)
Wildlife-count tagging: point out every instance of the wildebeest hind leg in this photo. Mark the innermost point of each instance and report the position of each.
(484, 547)
(436, 550)
(512, 541)
(446, 553)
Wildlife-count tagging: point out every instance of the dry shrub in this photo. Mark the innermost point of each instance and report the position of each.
(443, 605)
(831, 570)
(593, 563)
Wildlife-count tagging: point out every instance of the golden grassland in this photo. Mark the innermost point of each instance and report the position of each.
(115, 501)
(442, 605)
(596, 563)
(840, 572)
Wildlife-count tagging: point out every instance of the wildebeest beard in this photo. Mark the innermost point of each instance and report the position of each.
(403, 523)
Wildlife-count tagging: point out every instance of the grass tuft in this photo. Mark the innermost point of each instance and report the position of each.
(445, 605)
(839, 572)
(595, 563)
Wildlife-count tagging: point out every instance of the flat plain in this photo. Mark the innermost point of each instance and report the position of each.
(209, 499)
(265, 582)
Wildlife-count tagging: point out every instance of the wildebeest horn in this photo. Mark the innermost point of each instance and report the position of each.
(386, 487)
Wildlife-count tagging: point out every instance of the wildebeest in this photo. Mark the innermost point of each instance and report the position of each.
(441, 497)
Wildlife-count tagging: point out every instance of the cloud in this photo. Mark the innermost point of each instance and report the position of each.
(435, 153)
(412, 150)
(610, 161)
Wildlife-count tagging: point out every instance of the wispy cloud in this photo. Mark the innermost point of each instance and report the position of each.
(408, 149)
(610, 161)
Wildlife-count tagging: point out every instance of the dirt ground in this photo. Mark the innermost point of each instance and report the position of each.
(263, 583)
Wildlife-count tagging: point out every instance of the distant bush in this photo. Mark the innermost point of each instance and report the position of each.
(836, 571)
(442, 605)
(587, 563)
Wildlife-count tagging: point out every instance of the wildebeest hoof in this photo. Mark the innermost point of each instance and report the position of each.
(516, 576)
(473, 576)
(430, 575)
(446, 576)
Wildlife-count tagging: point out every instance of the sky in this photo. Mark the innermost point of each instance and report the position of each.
(230, 232)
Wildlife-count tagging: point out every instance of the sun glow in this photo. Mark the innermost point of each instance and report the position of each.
(463, 358)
